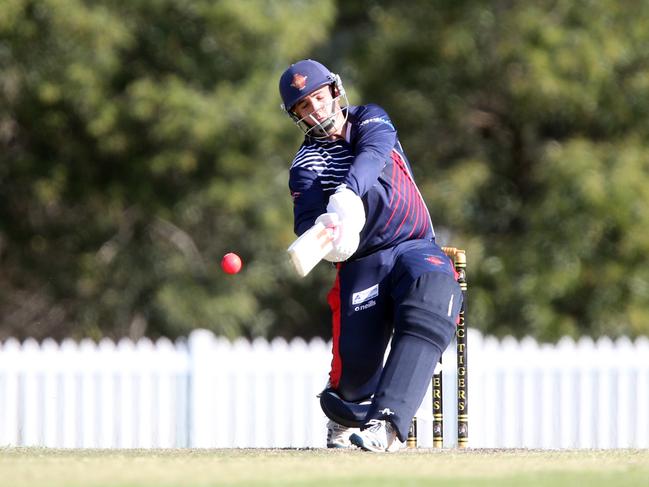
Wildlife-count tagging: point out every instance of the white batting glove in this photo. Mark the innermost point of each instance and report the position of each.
(349, 207)
(345, 242)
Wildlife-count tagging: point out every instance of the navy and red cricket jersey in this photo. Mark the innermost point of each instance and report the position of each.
(380, 175)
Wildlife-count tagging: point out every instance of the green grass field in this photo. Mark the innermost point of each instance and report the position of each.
(36, 467)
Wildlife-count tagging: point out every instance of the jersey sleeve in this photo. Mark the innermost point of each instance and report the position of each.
(308, 198)
(375, 139)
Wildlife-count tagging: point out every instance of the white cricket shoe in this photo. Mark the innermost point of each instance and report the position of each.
(338, 435)
(379, 436)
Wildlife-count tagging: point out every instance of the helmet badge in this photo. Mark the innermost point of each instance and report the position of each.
(299, 81)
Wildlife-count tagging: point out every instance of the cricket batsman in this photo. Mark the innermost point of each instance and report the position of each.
(393, 281)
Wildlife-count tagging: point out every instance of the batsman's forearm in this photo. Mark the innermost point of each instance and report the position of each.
(364, 172)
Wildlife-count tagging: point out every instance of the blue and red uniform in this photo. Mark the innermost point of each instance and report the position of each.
(399, 283)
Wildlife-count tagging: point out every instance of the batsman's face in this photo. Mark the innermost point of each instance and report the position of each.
(318, 106)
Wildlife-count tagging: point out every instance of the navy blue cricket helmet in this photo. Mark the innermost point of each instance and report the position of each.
(302, 78)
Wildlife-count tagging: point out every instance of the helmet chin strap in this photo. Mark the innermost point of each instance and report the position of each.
(324, 128)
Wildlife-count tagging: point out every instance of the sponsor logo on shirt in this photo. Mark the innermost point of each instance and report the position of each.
(377, 120)
(365, 294)
(365, 306)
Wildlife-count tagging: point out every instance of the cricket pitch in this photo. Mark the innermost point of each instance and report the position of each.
(36, 467)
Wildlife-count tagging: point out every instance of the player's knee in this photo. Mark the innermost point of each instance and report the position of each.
(430, 309)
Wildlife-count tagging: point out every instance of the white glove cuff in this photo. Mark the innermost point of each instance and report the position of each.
(349, 206)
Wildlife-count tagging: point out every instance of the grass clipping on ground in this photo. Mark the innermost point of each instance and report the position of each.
(35, 467)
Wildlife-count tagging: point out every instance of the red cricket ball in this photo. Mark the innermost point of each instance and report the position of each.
(231, 263)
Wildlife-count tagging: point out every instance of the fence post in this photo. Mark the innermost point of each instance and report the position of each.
(201, 418)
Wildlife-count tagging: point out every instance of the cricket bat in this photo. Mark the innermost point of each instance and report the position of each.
(310, 248)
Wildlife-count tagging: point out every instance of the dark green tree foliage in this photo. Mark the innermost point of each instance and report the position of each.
(140, 141)
(527, 124)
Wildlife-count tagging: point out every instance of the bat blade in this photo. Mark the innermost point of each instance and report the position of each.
(310, 248)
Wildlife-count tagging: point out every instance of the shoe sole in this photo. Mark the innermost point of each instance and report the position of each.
(360, 443)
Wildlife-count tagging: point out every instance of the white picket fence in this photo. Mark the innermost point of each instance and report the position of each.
(207, 392)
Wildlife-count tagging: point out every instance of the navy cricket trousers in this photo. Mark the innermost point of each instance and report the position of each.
(409, 290)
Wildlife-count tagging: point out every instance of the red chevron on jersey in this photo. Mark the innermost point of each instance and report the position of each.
(434, 260)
